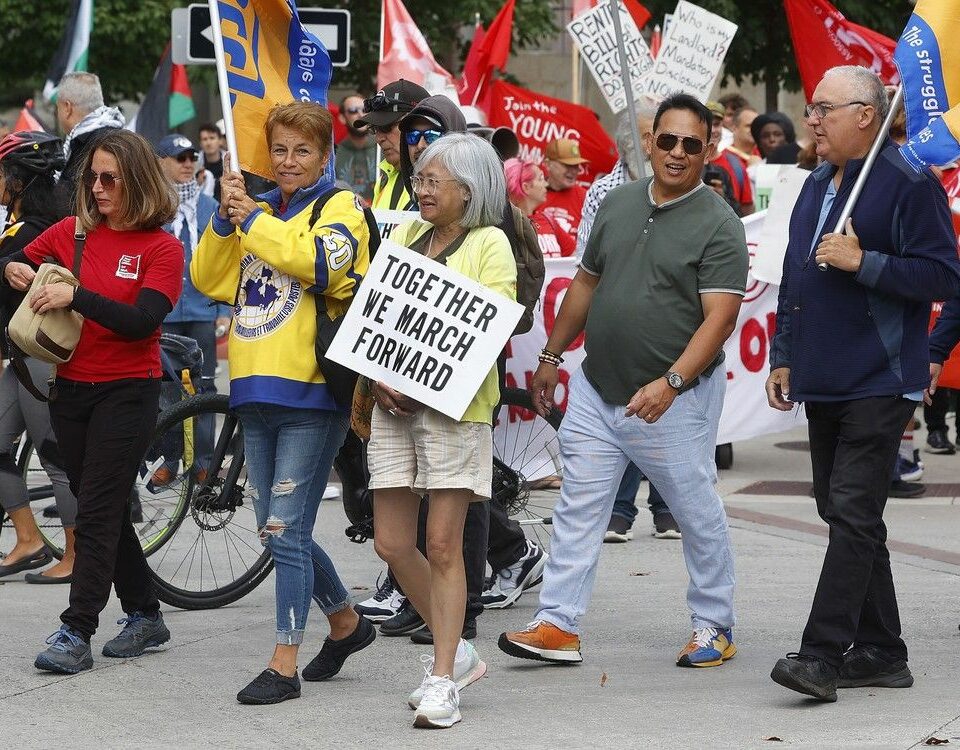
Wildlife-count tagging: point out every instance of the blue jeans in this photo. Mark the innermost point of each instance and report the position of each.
(289, 455)
(625, 504)
(597, 441)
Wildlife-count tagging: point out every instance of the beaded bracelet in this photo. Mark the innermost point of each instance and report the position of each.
(550, 358)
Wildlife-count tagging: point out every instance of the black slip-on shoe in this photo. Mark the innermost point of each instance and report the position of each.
(866, 665)
(36, 560)
(334, 653)
(40, 578)
(424, 637)
(270, 687)
(808, 675)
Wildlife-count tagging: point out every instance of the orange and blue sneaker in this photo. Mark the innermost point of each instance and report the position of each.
(542, 641)
(708, 647)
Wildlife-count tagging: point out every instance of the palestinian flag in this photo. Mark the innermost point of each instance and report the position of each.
(168, 102)
(74, 47)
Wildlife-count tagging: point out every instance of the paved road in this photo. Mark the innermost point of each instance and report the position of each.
(626, 694)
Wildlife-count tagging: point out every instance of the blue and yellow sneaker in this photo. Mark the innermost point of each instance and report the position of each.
(708, 647)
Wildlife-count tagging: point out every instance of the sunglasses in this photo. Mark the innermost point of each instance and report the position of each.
(108, 180)
(187, 156)
(668, 142)
(412, 137)
(382, 129)
(352, 110)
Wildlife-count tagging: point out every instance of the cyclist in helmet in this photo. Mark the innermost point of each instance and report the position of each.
(28, 161)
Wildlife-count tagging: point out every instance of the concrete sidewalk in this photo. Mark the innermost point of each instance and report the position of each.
(627, 693)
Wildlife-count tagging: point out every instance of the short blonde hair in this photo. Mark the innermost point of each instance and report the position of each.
(309, 118)
(147, 200)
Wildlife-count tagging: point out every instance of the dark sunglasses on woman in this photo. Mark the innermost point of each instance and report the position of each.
(107, 179)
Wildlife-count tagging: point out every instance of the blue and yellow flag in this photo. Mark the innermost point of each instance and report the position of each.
(930, 69)
(271, 59)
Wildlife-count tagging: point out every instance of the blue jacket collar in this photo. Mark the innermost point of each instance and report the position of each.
(300, 199)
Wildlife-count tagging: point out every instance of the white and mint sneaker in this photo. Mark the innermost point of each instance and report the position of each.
(440, 706)
(467, 669)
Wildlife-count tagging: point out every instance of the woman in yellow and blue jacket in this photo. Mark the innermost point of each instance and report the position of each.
(267, 259)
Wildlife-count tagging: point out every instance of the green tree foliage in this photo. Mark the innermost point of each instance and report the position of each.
(762, 51)
(447, 25)
(128, 39)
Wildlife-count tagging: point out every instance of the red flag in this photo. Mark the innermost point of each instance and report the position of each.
(405, 53)
(492, 51)
(538, 119)
(823, 38)
(641, 16)
(27, 119)
(472, 67)
(655, 40)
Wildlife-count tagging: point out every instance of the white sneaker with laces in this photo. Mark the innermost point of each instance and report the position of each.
(384, 604)
(508, 584)
(440, 707)
(467, 669)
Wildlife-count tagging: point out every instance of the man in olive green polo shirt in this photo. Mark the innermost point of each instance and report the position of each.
(658, 292)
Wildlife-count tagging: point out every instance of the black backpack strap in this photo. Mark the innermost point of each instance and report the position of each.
(79, 238)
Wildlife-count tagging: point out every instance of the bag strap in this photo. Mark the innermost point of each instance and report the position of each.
(79, 238)
(420, 245)
(22, 372)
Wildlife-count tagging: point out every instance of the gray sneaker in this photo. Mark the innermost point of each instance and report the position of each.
(139, 633)
(68, 653)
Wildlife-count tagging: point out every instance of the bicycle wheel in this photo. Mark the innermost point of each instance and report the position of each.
(212, 554)
(527, 471)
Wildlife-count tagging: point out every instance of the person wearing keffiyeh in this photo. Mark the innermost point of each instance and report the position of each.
(195, 315)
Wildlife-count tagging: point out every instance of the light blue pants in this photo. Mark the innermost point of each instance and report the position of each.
(597, 441)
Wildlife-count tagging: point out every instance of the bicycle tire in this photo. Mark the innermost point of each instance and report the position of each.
(209, 509)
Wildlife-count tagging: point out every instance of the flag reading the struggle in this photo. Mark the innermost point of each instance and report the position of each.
(271, 59)
(930, 70)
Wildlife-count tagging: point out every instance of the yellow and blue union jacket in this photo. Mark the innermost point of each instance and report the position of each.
(270, 269)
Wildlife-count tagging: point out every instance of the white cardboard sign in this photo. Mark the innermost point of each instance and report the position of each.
(388, 220)
(423, 329)
(692, 53)
(594, 34)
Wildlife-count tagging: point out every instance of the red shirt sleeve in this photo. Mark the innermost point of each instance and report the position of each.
(164, 269)
(55, 242)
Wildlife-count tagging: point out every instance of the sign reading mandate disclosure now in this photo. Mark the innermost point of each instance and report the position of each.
(423, 329)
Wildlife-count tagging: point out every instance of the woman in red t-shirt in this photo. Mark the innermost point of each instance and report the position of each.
(105, 399)
(527, 187)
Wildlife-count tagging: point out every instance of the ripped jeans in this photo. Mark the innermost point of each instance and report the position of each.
(289, 455)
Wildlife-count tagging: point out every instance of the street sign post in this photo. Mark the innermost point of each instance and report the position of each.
(193, 36)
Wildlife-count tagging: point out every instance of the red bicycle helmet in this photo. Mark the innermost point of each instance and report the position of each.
(35, 151)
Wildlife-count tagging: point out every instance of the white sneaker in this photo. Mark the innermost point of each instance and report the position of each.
(440, 707)
(384, 604)
(466, 670)
(508, 584)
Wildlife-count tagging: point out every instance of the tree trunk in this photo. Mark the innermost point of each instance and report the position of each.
(772, 87)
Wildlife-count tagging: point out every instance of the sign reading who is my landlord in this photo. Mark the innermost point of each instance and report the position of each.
(423, 329)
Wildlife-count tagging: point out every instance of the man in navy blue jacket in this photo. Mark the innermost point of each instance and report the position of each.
(851, 344)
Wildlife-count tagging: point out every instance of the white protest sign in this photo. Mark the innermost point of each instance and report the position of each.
(772, 240)
(429, 332)
(594, 34)
(691, 54)
(388, 220)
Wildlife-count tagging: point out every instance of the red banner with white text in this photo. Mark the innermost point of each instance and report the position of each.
(538, 119)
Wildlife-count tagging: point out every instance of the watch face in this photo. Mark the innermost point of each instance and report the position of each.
(675, 380)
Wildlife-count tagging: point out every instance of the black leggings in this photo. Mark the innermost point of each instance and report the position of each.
(103, 430)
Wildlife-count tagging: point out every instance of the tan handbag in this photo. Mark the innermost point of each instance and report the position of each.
(51, 336)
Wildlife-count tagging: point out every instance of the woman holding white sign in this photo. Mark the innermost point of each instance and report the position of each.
(416, 450)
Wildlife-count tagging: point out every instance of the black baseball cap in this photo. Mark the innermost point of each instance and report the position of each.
(391, 103)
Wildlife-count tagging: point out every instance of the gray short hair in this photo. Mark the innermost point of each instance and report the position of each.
(868, 85)
(82, 90)
(477, 168)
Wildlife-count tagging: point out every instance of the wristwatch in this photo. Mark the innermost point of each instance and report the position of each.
(675, 380)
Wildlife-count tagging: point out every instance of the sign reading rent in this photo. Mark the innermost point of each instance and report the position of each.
(692, 53)
(423, 329)
(594, 34)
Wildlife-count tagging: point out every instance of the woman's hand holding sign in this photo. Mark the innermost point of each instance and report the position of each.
(394, 402)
